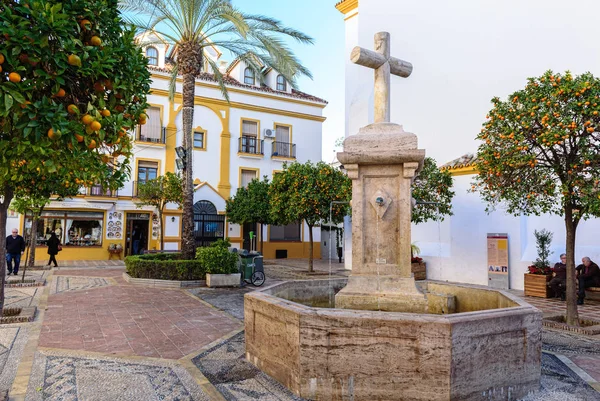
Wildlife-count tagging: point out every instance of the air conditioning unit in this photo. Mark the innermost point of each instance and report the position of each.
(268, 133)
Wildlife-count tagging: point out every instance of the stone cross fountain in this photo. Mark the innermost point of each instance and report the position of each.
(382, 160)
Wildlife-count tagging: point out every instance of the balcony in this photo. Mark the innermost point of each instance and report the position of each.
(283, 149)
(149, 137)
(251, 145)
(97, 190)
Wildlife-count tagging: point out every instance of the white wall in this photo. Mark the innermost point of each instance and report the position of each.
(464, 53)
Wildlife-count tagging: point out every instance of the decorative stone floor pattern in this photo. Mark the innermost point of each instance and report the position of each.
(589, 310)
(57, 376)
(12, 341)
(226, 368)
(20, 297)
(128, 320)
(64, 283)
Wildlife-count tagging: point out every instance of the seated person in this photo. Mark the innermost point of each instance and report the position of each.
(588, 275)
(559, 280)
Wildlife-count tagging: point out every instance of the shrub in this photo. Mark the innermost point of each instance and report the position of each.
(217, 259)
(164, 267)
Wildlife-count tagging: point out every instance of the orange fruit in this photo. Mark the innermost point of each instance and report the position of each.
(95, 41)
(14, 77)
(61, 93)
(122, 134)
(74, 60)
(108, 84)
(1, 58)
(95, 126)
(25, 104)
(72, 109)
(87, 119)
(92, 144)
(99, 87)
(85, 24)
(595, 113)
(120, 108)
(53, 134)
(79, 138)
(105, 113)
(105, 158)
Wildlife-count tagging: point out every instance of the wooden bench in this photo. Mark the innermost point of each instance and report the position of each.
(593, 293)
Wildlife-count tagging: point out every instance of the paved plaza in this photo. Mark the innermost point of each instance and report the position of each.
(97, 337)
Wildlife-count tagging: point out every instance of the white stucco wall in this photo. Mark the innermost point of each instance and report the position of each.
(464, 53)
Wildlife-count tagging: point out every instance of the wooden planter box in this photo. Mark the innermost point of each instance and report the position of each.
(535, 285)
(419, 270)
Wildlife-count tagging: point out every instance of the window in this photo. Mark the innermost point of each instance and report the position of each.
(249, 76)
(282, 145)
(247, 176)
(199, 139)
(291, 232)
(152, 55)
(281, 84)
(72, 228)
(249, 140)
(147, 171)
(152, 130)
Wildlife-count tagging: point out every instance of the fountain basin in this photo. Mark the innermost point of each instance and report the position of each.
(489, 349)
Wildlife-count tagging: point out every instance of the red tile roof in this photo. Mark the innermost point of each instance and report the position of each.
(234, 82)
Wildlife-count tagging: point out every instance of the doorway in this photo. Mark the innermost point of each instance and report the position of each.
(137, 229)
(248, 227)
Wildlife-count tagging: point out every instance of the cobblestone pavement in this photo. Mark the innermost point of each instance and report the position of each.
(63, 376)
(297, 269)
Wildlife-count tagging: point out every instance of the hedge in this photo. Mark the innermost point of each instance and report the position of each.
(164, 267)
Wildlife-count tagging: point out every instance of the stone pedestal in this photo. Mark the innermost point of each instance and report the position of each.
(382, 160)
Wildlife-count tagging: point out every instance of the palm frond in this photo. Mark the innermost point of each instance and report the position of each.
(219, 78)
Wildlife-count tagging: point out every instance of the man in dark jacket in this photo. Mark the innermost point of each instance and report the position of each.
(15, 246)
(558, 282)
(588, 275)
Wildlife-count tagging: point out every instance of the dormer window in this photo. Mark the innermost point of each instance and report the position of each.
(152, 55)
(249, 76)
(281, 84)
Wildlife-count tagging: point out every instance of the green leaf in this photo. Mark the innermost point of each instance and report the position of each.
(8, 101)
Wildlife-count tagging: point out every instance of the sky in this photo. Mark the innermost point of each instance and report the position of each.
(325, 59)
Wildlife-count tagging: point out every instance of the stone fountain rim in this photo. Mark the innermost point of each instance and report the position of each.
(522, 308)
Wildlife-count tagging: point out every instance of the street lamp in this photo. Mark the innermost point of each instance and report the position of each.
(180, 164)
(180, 152)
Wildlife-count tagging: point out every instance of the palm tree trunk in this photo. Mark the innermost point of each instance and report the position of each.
(7, 195)
(188, 245)
(571, 228)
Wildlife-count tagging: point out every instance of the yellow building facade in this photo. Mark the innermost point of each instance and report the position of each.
(265, 124)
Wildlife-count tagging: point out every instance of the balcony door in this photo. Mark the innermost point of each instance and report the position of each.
(283, 146)
(152, 130)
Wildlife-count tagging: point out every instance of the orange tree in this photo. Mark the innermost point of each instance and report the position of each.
(432, 189)
(305, 192)
(72, 82)
(541, 154)
(251, 205)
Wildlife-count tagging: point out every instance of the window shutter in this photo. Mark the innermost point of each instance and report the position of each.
(249, 128)
(152, 129)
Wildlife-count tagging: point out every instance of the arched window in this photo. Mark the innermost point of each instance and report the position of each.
(281, 84)
(205, 207)
(152, 55)
(248, 76)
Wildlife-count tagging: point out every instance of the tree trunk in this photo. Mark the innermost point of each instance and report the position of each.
(161, 229)
(32, 235)
(571, 228)
(7, 197)
(310, 249)
(188, 244)
(261, 240)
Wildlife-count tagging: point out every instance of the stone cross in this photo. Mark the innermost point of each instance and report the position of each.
(384, 65)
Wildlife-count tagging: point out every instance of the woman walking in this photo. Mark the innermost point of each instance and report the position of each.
(53, 248)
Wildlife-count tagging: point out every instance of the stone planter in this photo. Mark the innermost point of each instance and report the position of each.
(223, 280)
(535, 285)
(419, 270)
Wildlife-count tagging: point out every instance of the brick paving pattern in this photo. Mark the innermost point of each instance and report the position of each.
(127, 320)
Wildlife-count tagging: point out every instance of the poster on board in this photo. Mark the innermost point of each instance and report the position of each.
(497, 262)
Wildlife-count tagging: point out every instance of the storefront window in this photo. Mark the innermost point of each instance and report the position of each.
(291, 232)
(72, 228)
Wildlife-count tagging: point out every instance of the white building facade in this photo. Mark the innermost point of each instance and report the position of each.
(464, 53)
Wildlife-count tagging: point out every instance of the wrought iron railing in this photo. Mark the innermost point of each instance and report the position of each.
(97, 190)
(160, 138)
(251, 145)
(283, 149)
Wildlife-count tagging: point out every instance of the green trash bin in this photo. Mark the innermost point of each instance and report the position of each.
(247, 268)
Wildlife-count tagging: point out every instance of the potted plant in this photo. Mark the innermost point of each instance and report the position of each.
(417, 266)
(115, 249)
(539, 273)
(221, 265)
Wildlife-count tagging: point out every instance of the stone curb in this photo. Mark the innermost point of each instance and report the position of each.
(582, 374)
(147, 282)
(23, 315)
(553, 321)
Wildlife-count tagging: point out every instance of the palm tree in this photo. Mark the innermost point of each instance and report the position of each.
(193, 25)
